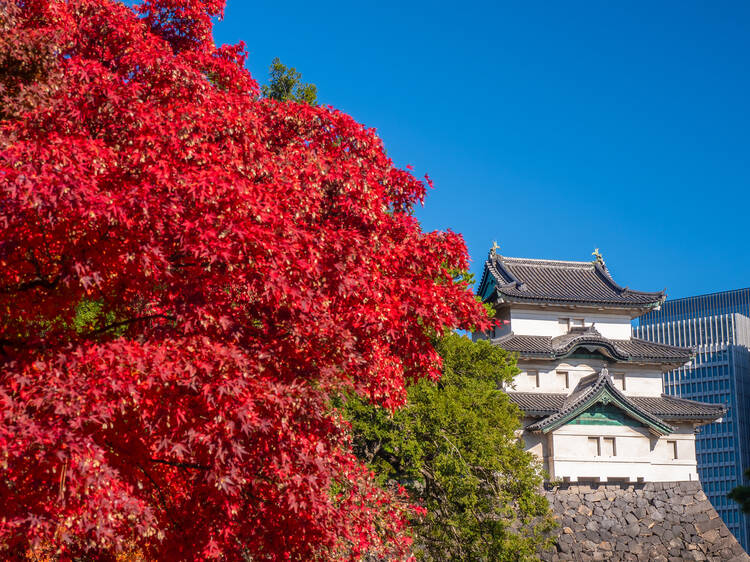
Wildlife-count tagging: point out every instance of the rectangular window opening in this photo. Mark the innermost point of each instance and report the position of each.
(568, 323)
(608, 447)
(534, 379)
(619, 380)
(593, 447)
(672, 446)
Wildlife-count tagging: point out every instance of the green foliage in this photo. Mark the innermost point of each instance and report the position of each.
(285, 84)
(741, 494)
(89, 317)
(454, 448)
(462, 276)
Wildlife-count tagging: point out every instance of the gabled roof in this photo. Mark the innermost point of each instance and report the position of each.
(668, 408)
(632, 350)
(524, 280)
(599, 389)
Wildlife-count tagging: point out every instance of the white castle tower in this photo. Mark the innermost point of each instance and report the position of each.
(591, 394)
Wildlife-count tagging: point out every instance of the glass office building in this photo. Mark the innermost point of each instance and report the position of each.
(717, 326)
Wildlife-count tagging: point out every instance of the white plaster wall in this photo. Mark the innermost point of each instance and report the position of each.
(536, 443)
(639, 381)
(639, 454)
(546, 322)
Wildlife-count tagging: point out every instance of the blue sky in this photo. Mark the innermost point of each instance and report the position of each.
(551, 127)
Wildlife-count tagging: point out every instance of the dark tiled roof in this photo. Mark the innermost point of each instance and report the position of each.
(538, 404)
(634, 349)
(673, 408)
(558, 282)
(594, 389)
(668, 408)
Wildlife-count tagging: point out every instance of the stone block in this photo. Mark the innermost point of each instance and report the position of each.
(703, 516)
(593, 536)
(632, 530)
(690, 487)
(707, 524)
(693, 509)
(712, 535)
(658, 521)
(588, 545)
(655, 514)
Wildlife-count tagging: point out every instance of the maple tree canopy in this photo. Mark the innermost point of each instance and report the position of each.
(187, 272)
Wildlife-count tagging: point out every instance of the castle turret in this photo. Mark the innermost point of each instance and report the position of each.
(591, 394)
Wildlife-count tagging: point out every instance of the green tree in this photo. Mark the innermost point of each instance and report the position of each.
(285, 84)
(454, 448)
(741, 494)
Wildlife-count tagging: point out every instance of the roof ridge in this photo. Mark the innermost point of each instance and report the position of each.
(541, 261)
(535, 393)
(547, 281)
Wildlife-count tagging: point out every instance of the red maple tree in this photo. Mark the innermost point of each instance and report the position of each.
(187, 273)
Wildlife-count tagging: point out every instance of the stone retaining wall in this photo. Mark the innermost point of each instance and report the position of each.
(656, 521)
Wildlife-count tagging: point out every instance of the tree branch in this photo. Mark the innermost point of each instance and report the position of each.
(180, 464)
(129, 321)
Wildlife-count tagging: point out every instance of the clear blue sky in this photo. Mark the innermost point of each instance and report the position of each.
(551, 127)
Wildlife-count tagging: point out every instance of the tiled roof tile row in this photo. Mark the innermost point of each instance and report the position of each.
(634, 349)
(669, 408)
(560, 282)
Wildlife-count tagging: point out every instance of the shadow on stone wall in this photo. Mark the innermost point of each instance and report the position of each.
(657, 521)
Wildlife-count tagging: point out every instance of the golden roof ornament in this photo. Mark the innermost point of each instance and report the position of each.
(598, 256)
(495, 248)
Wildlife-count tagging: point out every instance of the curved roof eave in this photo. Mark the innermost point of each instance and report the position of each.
(601, 391)
(560, 347)
(564, 283)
